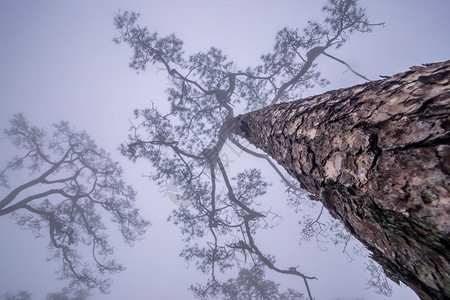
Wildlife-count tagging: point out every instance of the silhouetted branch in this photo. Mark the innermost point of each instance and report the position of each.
(78, 181)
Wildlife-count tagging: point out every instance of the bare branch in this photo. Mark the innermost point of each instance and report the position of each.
(347, 65)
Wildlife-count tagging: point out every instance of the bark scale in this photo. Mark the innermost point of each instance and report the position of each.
(378, 156)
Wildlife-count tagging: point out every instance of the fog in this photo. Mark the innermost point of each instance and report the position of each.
(58, 62)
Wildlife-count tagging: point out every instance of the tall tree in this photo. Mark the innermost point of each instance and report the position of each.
(72, 183)
(378, 157)
(184, 144)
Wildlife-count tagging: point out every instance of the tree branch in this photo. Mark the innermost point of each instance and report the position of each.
(41, 179)
(347, 65)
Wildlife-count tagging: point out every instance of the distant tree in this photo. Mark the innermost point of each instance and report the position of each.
(185, 144)
(64, 294)
(71, 182)
(250, 284)
(69, 294)
(21, 295)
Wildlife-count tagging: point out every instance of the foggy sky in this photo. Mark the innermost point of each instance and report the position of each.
(58, 62)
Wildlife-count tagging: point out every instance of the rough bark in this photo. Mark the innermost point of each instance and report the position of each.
(378, 156)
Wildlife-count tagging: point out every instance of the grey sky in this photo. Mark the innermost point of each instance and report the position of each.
(57, 62)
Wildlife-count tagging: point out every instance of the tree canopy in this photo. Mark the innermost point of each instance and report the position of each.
(73, 184)
(185, 144)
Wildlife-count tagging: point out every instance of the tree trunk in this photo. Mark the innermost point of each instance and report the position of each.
(378, 156)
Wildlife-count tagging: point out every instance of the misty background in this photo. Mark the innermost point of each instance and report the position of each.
(58, 62)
